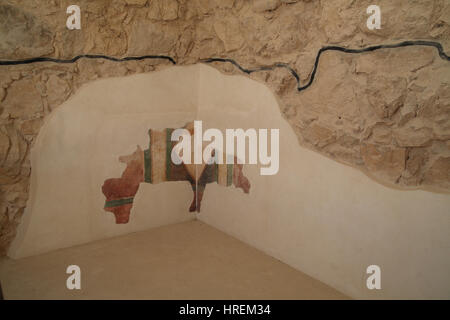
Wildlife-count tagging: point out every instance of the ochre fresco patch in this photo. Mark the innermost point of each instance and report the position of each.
(154, 165)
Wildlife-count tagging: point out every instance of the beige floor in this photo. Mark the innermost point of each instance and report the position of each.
(183, 261)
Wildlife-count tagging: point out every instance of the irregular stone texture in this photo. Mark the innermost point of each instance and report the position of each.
(265, 5)
(439, 173)
(22, 34)
(386, 112)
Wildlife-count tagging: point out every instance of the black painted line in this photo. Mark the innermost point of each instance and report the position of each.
(87, 56)
(294, 73)
(249, 71)
(436, 45)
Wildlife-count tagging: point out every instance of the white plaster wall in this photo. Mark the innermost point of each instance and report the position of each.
(326, 219)
(321, 217)
(78, 149)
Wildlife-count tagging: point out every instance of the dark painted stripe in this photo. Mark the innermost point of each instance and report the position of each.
(147, 166)
(168, 152)
(229, 174)
(148, 159)
(216, 173)
(118, 202)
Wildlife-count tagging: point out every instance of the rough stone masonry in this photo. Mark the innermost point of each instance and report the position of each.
(386, 113)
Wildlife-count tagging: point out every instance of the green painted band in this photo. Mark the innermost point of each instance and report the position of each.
(229, 174)
(118, 202)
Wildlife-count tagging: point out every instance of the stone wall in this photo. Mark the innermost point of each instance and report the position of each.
(385, 112)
